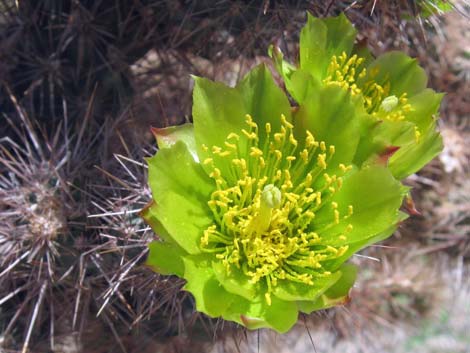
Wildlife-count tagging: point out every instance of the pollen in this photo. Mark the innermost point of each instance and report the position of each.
(265, 204)
(344, 72)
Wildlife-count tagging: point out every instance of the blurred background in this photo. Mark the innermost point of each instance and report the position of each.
(82, 81)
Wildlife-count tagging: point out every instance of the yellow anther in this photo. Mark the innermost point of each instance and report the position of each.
(262, 163)
(230, 145)
(234, 136)
(285, 122)
(262, 181)
(207, 161)
(339, 182)
(332, 150)
(250, 135)
(350, 210)
(292, 140)
(204, 148)
(309, 214)
(349, 228)
(242, 164)
(278, 154)
(290, 158)
(255, 152)
(310, 140)
(279, 137)
(304, 155)
(331, 249)
(407, 108)
(225, 153)
(417, 135)
(323, 146)
(334, 205)
(344, 168)
(318, 198)
(327, 178)
(268, 128)
(221, 204)
(342, 250)
(321, 160)
(336, 213)
(215, 173)
(216, 149)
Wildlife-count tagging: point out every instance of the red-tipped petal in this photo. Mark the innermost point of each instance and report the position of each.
(410, 207)
(387, 153)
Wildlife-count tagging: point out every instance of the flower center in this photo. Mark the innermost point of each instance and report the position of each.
(265, 205)
(348, 72)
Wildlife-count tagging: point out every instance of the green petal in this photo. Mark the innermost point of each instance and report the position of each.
(168, 136)
(331, 116)
(149, 214)
(263, 99)
(360, 244)
(412, 157)
(211, 298)
(237, 282)
(425, 106)
(280, 315)
(369, 143)
(376, 197)
(301, 85)
(166, 258)
(403, 73)
(337, 294)
(291, 291)
(180, 189)
(218, 110)
(320, 39)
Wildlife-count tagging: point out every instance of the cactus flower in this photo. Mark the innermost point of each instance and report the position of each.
(398, 109)
(259, 208)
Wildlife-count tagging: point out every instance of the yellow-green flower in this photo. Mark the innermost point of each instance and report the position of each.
(259, 210)
(397, 108)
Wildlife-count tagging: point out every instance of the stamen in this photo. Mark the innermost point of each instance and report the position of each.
(262, 221)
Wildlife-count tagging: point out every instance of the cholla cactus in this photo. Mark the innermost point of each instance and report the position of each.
(258, 206)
